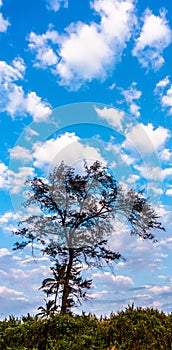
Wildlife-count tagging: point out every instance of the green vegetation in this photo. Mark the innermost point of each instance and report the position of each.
(132, 329)
(78, 215)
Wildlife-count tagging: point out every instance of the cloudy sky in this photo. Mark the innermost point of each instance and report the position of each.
(87, 80)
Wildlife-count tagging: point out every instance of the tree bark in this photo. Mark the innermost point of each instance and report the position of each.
(66, 282)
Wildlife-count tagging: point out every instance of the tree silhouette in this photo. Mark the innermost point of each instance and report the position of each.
(51, 285)
(78, 215)
(46, 311)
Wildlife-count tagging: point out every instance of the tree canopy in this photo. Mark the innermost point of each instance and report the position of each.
(78, 214)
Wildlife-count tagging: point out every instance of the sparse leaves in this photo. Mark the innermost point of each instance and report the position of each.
(78, 215)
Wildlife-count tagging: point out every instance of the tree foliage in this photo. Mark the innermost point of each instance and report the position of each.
(78, 214)
(131, 329)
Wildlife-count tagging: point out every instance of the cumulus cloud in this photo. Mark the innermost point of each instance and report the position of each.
(131, 95)
(41, 45)
(45, 153)
(14, 100)
(17, 179)
(67, 54)
(154, 173)
(166, 100)
(46, 156)
(13, 72)
(14, 272)
(116, 282)
(67, 148)
(5, 219)
(56, 4)
(4, 291)
(133, 178)
(158, 289)
(112, 115)
(4, 23)
(162, 84)
(166, 154)
(4, 252)
(147, 138)
(154, 37)
(14, 179)
(19, 103)
(21, 153)
(38, 109)
(3, 175)
(169, 192)
(164, 90)
(30, 133)
(166, 243)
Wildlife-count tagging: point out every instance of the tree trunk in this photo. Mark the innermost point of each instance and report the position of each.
(66, 282)
(55, 301)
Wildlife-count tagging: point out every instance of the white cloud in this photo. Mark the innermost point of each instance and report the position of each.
(104, 41)
(154, 173)
(7, 217)
(158, 289)
(122, 11)
(56, 4)
(127, 159)
(4, 292)
(13, 98)
(164, 212)
(67, 148)
(45, 55)
(4, 252)
(155, 36)
(166, 100)
(107, 278)
(146, 138)
(30, 103)
(19, 298)
(164, 90)
(46, 152)
(166, 172)
(169, 192)
(166, 154)
(166, 244)
(21, 153)
(112, 86)
(162, 84)
(133, 178)
(30, 133)
(38, 109)
(17, 179)
(4, 23)
(130, 95)
(13, 72)
(150, 172)
(41, 45)
(135, 109)
(112, 115)
(156, 190)
(3, 175)
(76, 63)
(45, 156)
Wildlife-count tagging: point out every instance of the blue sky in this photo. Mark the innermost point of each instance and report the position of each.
(87, 80)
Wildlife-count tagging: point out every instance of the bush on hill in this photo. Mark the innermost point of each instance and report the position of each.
(132, 329)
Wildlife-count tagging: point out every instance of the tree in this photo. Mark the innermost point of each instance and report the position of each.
(47, 310)
(51, 285)
(78, 215)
